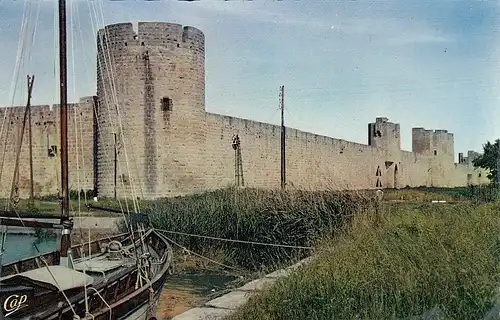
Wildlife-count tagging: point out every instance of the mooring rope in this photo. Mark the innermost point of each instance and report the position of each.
(199, 255)
(238, 241)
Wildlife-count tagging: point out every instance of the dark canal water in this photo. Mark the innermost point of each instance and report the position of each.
(20, 246)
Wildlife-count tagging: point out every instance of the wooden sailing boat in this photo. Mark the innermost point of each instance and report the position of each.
(114, 278)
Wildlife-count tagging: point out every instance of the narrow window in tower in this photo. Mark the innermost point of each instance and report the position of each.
(166, 104)
(52, 151)
(435, 152)
(124, 178)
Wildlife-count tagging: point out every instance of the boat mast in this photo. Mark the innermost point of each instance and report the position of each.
(63, 79)
(30, 87)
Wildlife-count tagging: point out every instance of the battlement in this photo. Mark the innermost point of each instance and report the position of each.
(385, 135)
(423, 130)
(43, 115)
(160, 34)
(88, 99)
(432, 142)
(381, 120)
(471, 155)
(177, 148)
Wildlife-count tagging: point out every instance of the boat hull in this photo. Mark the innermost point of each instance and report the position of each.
(146, 311)
(141, 314)
(118, 297)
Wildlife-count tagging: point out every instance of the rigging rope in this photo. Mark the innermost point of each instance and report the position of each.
(108, 63)
(75, 94)
(75, 113)
(56, 52)
(93, 18)
(111, 68)
(201, 256)
(55, 280)
(24, 31)
(23, 50)
(89, 80)
(22, 53)
(33, 35)
(15, 77)
(237, 241)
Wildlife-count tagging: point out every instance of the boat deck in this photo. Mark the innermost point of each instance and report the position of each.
(103, 271)
(113, 277)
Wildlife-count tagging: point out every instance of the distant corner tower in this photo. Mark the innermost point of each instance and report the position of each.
(385, 135)
(436, 143)
(151, 87)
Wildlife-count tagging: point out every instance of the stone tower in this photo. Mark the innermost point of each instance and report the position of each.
(151, 93)
(387, 136)
(438, 147)
(438, 143)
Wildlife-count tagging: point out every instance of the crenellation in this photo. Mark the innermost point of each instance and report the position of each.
(149, 111)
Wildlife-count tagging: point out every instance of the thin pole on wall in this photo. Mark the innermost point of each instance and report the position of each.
(14, 192)
(283, 135)
(498, 165)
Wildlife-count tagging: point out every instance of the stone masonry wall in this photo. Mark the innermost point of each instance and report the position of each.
(318, 162)
(312, 161)
(46, 147)
(151, 89)
(146, 134)
(159, 81)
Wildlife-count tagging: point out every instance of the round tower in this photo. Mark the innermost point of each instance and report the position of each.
(151, 93)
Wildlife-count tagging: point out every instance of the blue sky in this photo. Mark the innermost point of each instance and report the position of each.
(420, 63)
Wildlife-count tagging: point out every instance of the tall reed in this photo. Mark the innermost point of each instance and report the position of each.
(422, 256)
(297, 218)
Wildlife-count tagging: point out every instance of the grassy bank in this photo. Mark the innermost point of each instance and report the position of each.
(477, 194)
(422, 256)
(290, 218)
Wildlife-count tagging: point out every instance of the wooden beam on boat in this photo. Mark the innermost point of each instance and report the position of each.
(29, 223)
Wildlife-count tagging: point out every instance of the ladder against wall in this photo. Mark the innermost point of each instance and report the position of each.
(238, 163)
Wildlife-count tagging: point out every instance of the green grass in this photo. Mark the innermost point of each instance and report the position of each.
(422, 256)
(478, 194)
(38, 206)
(50, 204)
(290, 218)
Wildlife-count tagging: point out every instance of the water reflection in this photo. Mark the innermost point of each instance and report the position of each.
(199, 282)
(20, 246)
